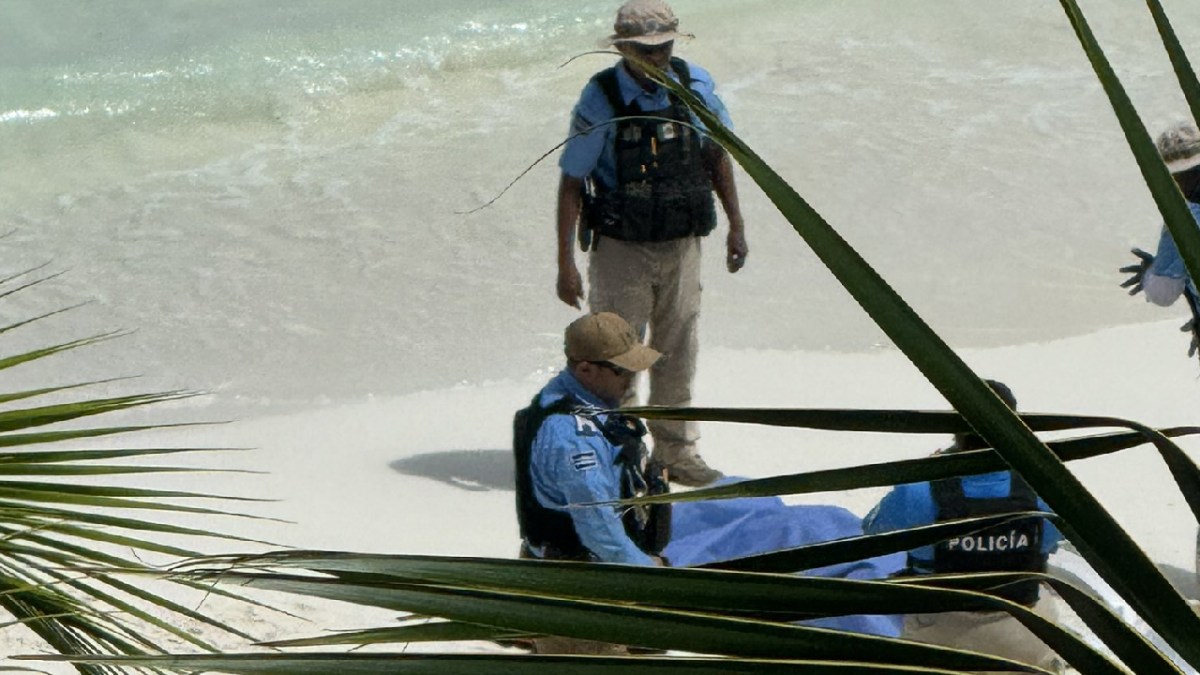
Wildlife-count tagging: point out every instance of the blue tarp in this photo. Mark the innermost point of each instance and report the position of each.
(709, 531)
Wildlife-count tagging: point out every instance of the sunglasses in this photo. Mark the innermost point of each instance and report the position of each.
(617, 370)
(651, 50)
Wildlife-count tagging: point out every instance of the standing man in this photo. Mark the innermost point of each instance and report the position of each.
(641, 191)
(1019, 546)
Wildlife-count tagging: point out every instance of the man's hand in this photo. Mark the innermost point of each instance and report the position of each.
(1137, 271)
(736, 250)
(570, 286)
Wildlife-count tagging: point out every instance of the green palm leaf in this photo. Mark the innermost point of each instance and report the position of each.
(424, 631)
(454, 664)
(58, 540)
(906, 471)
(1179, 60)
(813, 556)
(633, 623)
(1158, 179)
(1087, 524)
(703, 611)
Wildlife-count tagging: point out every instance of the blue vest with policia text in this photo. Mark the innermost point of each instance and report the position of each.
(552, 530)
(1015, 546)
(664, 186)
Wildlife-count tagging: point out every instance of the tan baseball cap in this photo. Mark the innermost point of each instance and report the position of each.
(605, 336)
(647, 22)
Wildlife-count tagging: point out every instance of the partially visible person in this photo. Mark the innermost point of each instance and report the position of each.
(641, 191)
(1021, 546)
(1165, 278)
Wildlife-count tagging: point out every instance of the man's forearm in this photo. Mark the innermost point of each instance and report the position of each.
(569, 202)
(601, 531)
(726, 189)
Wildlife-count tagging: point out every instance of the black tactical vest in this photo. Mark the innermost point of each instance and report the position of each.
(664, 189)
(1011, 547)
(648, 526)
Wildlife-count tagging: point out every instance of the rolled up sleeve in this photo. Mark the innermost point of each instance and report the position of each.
(588, 135)
(569, 469)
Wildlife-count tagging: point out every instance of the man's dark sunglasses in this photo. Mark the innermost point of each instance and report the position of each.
(651, 50)
(617, 370)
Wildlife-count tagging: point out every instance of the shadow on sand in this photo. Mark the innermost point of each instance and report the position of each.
(475, 470)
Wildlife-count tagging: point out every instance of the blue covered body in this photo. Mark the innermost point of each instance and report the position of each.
(710, 531)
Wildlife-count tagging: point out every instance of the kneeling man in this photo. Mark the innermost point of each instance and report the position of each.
(1021, 546)
(572, 450)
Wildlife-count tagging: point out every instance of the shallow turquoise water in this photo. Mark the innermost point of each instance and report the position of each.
(272, 194)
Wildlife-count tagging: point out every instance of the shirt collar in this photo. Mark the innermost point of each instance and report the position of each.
(630, 89)
(566, 384)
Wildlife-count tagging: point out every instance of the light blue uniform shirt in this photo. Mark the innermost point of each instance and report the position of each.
(592, 153)
(911, 505)
(1167, 263)
(573, 463)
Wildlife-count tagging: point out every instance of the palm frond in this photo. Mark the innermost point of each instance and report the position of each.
(60, 531)
(1103, 542)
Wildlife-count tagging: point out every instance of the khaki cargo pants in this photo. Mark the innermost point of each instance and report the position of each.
(555, 644)
(655, 286)
(996, 633)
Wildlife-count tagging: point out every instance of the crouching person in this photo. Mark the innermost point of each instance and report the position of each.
(1021, 546)
(569, 451)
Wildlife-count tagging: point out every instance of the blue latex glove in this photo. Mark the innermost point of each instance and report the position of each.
(1137, 271)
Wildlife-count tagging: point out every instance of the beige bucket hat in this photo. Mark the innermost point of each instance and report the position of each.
(647, 22)
(1180, 147)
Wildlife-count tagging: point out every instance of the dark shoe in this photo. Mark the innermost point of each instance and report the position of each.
(692, 471)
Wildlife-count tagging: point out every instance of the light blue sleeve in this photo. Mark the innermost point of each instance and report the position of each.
(1167, 262)
(911, 505)
(906, 506)
(572, 463)
(1167, 277)
(703, 84)
(585, 141)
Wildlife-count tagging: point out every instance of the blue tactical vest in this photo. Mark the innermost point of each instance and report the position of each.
(552, 530)
(664, 188)
(1011, 547)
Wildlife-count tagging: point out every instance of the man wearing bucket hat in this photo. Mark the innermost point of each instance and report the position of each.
(638, 177)
(1163, 276)
(572, 456)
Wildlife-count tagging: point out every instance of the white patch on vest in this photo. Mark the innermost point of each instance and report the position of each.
(584, 426)
(583, 461)
(1013, 541)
